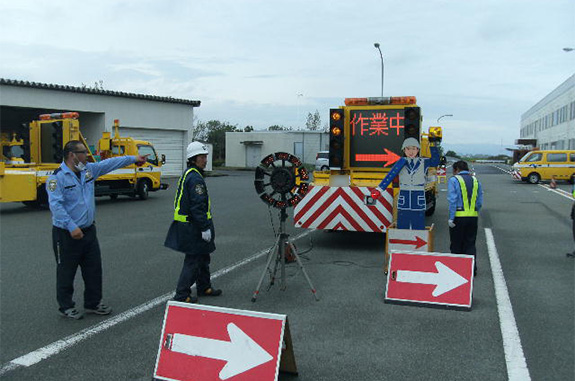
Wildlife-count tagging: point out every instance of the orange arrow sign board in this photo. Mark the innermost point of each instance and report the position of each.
(389, 157)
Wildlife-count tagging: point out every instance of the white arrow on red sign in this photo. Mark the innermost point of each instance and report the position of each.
(418, 242)
(445, 278)
(241, 353)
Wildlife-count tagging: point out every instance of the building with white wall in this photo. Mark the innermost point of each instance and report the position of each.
(551, 121)
(166, 122)
(247, 149)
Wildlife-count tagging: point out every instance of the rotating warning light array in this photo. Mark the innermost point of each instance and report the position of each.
(281, 180)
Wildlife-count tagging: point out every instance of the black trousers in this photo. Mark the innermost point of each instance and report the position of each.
(196, 269)
(463, 236)
(71, 253)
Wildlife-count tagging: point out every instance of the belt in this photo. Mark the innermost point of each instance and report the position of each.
(88, 228)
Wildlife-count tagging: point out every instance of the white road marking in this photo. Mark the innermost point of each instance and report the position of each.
(514, 358)
(65, 343)
(559, 191)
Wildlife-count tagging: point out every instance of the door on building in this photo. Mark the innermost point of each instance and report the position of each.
(298, 149)
(253, 155)
(166, 142)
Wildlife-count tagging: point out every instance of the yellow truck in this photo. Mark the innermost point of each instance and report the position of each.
(365, 141)
(31, 153)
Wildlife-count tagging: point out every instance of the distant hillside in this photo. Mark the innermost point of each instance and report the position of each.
(476, 149)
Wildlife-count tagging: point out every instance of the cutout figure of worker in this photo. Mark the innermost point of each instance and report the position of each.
(411, 170)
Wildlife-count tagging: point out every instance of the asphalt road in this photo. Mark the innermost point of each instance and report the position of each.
(349, 334)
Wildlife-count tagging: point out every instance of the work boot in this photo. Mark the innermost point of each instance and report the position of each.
(572, 255)
(72, 313)
(101, 309)
(210, 292)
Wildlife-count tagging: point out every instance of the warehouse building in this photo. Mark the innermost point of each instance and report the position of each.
(165, 122)
(247, 149)
(551, 121)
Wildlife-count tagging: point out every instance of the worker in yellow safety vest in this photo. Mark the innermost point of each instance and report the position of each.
(192, 231)
(465, 198)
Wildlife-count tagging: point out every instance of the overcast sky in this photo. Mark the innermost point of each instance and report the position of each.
(262, 63)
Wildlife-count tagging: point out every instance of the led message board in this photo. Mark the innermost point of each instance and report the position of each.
(376, 137)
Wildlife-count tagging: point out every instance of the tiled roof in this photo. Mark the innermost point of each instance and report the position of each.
(83, 90)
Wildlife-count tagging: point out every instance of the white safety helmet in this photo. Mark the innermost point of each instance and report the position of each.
(196, 148)
(410, 142)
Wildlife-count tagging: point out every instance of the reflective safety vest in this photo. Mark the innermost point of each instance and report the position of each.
(184, 218)
(468, 207)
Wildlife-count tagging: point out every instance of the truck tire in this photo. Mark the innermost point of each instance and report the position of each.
(142, 189)
(533, 178)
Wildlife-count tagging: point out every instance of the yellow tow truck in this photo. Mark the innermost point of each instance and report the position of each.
(31, 154)
(365, 141)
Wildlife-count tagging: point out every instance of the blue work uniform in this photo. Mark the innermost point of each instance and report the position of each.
(72, 203)
(464, 213)
(411, 200)
(192, 216)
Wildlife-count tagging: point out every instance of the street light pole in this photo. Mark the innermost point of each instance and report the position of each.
(381, 55)
(442, 117)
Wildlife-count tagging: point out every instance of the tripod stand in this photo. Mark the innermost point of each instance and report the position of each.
(278, 253)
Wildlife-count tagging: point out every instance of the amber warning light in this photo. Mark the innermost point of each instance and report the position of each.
(60, 115)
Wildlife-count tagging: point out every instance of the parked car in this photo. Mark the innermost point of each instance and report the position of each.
(322, 161)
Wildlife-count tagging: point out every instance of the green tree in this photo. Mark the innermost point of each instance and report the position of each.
(451, 153)
(276, 127)
(313, 122)
(214, 132)
(249, 129)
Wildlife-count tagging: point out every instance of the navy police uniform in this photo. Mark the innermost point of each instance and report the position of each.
(192, 216)
(71, 199)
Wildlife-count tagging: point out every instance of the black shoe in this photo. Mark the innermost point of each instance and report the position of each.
(211, 292)
(572, 255)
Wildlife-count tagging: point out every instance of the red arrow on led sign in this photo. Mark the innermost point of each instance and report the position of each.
(418, 242)
(241, 353)
(445, 279)
(389, 157)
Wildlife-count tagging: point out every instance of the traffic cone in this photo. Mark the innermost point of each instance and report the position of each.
(553, 184)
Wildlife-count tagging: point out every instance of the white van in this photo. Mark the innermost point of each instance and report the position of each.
(322, 161)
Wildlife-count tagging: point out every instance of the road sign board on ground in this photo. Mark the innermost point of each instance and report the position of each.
(427, 278)
(200, 342)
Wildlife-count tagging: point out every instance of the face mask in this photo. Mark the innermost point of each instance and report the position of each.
(79, 165)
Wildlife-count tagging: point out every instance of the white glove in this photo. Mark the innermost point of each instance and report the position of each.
(450, 223)
(207, 235)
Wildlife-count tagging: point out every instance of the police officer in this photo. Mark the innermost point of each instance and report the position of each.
(465, 198)
(192, 231)
(411, 170)
(71, 198)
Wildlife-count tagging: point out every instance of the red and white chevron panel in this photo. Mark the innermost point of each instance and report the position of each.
(344, 208)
